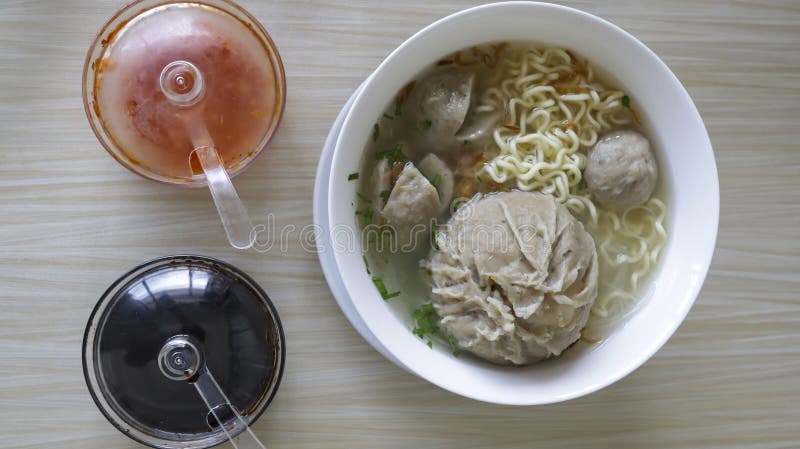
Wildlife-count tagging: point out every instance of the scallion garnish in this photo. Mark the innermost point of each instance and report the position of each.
(467, 142)
(626, 101)
(393, 155)
(425, 125)
(376, 132)
(364, 198)
(366, 263)
(457, 203)
(453, 345)
(387, 116)
(384, 195)
(382, 289)
(366, 215)
(352, 176)
(434, 234)
(426, 320)
(436, 180)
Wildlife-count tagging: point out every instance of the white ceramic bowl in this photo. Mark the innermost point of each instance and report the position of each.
(687, 168)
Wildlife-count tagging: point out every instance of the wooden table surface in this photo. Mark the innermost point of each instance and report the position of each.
(72, 220)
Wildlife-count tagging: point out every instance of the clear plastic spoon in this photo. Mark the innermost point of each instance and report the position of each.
(182, 83)
(180, 359)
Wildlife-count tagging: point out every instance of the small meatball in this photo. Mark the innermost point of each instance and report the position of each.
(411, 206)
(431, 166)
(621, 170)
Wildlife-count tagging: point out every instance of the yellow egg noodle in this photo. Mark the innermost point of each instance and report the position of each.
(557, 111)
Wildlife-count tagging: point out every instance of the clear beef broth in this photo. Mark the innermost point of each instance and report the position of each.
(226, 318)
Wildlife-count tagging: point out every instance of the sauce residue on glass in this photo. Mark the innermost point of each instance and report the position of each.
(240, 101)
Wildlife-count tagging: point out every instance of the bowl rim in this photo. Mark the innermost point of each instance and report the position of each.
(320, 215)
(701, 257)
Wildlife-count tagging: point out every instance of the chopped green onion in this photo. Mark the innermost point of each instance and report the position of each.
(366, 215)
(366, 263)
(388, 116)
(393, 155)
(384, 195)
(626, 101)
(478, 178)
(382, 288)
(437, 180)
(426, 320)
(457, 203)
(467, 142)
(453, 345)
(352, 176)
(364, 198)
(425, 125)
(376, 132)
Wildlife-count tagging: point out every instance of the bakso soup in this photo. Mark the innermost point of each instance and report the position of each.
(509, 204)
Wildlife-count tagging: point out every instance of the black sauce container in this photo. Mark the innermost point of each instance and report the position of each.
(180, 344)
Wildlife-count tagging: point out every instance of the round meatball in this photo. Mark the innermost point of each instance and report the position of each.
(621, 170)
(514, 275)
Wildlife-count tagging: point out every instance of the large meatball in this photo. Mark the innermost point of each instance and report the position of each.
(621, 170)
(514, 276)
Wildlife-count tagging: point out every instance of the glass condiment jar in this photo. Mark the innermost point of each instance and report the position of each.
(243, 77)
(187, 94)
(180, 344)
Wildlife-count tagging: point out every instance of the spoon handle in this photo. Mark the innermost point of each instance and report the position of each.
(216, 401)
(232, 212)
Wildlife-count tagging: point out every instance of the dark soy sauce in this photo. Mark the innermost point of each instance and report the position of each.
(234, 328)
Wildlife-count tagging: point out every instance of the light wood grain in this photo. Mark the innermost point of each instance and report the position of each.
(72, 220)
